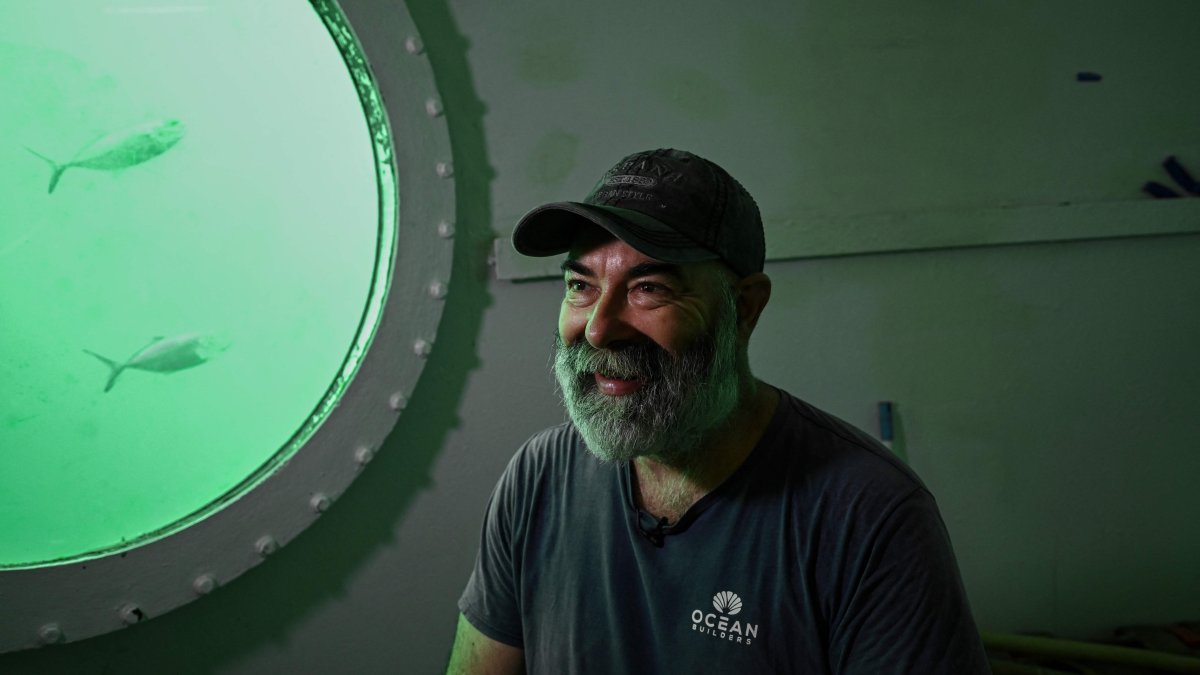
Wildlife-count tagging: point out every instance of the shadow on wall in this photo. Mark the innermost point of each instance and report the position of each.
(265, 604)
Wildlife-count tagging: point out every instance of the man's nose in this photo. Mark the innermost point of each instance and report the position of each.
(608, 322)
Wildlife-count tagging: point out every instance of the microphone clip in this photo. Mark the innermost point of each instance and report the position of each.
(657, 534)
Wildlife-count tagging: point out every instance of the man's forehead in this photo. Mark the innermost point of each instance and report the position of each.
(588, 238)
(580, 257)
(647, 268)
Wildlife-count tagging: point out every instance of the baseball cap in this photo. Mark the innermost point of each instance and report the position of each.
(668, 204)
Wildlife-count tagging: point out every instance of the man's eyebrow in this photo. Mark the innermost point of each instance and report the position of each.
(578, 268)
(650, 269)
(646, 269)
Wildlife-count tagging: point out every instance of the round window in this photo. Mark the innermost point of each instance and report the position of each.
(199, 238)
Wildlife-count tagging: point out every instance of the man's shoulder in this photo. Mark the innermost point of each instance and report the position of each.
(547, 453)
(829, 447)
(550, 444)
(558, 434)
(554, 461)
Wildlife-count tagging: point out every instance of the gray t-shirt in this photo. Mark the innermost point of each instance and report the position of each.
(821, 554)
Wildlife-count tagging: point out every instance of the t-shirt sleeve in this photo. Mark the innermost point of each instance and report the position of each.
(490, 601)
(908, 611)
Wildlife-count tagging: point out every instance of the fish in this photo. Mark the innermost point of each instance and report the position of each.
(119, 150)
(165, 355)
(13, 420)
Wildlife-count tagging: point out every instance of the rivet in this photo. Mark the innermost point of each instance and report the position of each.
(437, 290)
(364, 454)
(204, 584)
(130, 614)
(266, 545)
(422, 348)
(444, 169)
(50, 633)
(397, 401)
(433, 107)
(319, 502)
(445, 229)
(413, 45)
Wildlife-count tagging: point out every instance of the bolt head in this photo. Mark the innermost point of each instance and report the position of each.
(422, 348)
(319, 502)
(433, 107)
(437, 290)
(364, 454)
(413, 45)
(266, 545)
(445, 230)
(444, 169)
(130, 614)
(50, 634)
(397, 401)
(204, 584)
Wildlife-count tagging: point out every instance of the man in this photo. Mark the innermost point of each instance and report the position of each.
(691, 518)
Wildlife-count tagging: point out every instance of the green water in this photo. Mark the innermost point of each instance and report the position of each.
(215, 229)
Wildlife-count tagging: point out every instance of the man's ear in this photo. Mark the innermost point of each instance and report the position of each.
(753, 293)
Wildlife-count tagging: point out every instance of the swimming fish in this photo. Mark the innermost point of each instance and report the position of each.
(12, 420)
(120, 149)
(165, 355)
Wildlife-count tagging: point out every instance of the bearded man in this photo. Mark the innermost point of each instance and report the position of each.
(691, 518)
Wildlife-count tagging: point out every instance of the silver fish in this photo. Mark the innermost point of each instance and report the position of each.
(119, 150)
(165, 355)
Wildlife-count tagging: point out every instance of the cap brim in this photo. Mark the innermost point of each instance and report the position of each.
(550, 230)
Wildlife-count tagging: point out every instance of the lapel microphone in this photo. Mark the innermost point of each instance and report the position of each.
(655, 534)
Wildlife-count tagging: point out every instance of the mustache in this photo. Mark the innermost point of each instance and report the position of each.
(631, 361)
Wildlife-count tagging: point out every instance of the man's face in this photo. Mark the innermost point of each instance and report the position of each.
(647, 352)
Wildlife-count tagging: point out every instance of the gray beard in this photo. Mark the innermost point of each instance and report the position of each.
(681, 398)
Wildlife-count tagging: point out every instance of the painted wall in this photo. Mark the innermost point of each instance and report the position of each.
(1045, 391)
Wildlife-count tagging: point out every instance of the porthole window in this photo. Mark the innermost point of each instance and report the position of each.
(211, 245)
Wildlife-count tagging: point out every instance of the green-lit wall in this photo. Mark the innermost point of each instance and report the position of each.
(1045, 391)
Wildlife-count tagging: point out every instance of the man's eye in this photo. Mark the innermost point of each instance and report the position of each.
(650, 287)
(576, 286)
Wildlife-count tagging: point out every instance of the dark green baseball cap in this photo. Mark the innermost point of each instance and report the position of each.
(669, 204)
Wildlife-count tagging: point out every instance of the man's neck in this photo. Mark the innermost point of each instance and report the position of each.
(668, 490)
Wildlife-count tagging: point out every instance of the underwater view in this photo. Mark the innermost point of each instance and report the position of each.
(189, 223)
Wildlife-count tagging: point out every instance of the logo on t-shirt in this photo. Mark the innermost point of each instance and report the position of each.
(720, 624)
(727, 602)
